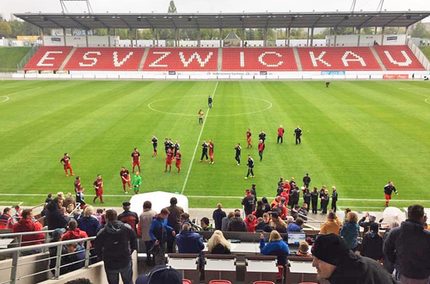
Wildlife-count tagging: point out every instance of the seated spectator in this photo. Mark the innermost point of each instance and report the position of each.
(339, 265)
(160, 274)
(55, 214)
(259, 210)
(189, 241)
(89, 223)
(28, 224)
(236, 223)
(6, 220)
(218, 215)
(372, 243)
(275, 246)
(264, 224)
(281, 208)
(297, 226)
(304, 249)
(350, 231)
(331, 225)
(73, 232)
(205, 225)
(185, 218)
(226, 220)
(275, 202)
(217, 244)
(251, 223)
(366, 224)
(303, 211)
(73, 258)
(278, 224)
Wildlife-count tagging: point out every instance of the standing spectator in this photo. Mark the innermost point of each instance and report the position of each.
(89, 223)
(275, 246)
(408, 247)
(173, 221)
(55, 214)
(314, 200)
(217, 244)
(259, 210)
(372, 243)
(251, 223)
(307, 198)
(306, 180)
(325, 199)
(366, 224)
(266, 204)
(337, 264)
(205, 225)
(236, 223)
(350, 231)
(27, 224)
(248, 202)
(334, 197)
(73, 232)
(331, 225)
(159, 231)
(226, 221)
(264, 224)
(114, 244)
(145, 220)
(129, 217)
(294, 197)
(218, 215)
(253, 190)
(6, 220)
(189, 241)
(296, 226)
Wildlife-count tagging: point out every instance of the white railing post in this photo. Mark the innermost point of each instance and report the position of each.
(87, 253)
(14, 267)
(58, 262)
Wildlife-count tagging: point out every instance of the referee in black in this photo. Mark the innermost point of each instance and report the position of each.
(238, 150)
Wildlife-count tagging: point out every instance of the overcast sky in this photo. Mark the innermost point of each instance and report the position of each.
(8, 7)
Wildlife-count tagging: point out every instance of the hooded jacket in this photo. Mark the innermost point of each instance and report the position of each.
(28, 225)
(115, 243)
(189, 242)
(74, 234)
(54, 217)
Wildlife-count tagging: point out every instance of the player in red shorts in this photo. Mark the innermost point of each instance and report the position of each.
(178, 158)
(98, 187)
(211, 152)
(67, 165)
(125, 179)
(388, 190)
(169, 159)
(135, 159)
(248, 138)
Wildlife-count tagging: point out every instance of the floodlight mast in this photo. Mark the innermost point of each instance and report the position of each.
(64, 6)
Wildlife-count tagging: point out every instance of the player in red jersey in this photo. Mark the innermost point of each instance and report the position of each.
(67, 165)
(125, 179)
(248, 138)
(178, 158)
(261, 147)
(135, 159)
(280, 135)
(211, 152)
(98, 186)
(169, 159)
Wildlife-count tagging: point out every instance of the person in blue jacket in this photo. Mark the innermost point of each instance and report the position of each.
(275, 246)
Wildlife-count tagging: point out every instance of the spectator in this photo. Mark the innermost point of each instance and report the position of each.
(372, 243)
(278, 224)
(161, 274)
(275, 201)
(129, 217)
(189, 241)
(303, 211)
(114, 244)
(205, 225)
(334, 197)
(217, 244)
(18, 212)
(366, 224)
(6, 220)
(173, 220)
(266, 204)
(248, 202)
(253, 191)
(100, 216)
(346, 211)
(408, 247)
(236, 223)
(259, 210)
(89, 223)
(314, 200)
(251, 223)
(325, 199)
(304, 249)
(27, 224)
(55, 214)
(73, 232)
(264, 224)
(331, 225)
(218, 215)
(159, 231)
(145, 221)
(275, 246)
(55, 237)
(296, 226)
(350, 231)
(185, 218)
(307, 198)
(282, 208)
(388, 265)
(73, 258)
(226, 220)
(294, 197)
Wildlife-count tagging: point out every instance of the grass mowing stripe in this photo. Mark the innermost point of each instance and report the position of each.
(197, 143)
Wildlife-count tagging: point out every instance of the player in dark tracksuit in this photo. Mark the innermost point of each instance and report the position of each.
(238, 150)
(262, 136)
(314, 200)
(154, 142)
(334, 197)
(205, 147)
(250, 167)
(298, 134)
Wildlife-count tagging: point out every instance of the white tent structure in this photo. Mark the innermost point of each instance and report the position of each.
(159, 200)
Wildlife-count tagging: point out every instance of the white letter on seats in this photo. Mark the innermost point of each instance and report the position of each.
(193, 56)
(164, 55)
(46, 57)
(87, 56)
(261, 59)
(318, 58)
(242, 59)
(405, 63)
(120, 63)
(356, 58)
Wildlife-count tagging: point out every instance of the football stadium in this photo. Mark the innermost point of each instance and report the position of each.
(228, 147)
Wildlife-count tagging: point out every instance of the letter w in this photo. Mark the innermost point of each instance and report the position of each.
(196, 56)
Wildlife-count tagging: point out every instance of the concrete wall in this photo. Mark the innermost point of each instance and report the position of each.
(26, 266)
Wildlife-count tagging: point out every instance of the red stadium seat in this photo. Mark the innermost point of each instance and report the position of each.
(48, 58)
(398, 57)
(263, 282)
(219, 282)
(186, 281)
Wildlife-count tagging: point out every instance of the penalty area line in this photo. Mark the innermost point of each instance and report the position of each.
(198, 142)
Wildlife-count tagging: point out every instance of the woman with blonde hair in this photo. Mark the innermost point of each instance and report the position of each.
(350, 231)
(217, 244)
(88, 222)
(275, 246)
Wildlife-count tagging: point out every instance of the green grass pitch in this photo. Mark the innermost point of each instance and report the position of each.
(357, 135)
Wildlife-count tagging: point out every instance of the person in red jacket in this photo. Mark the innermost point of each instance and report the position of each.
(6, 220)
(251, 222)
(73, 232)
(280, 138)
(261, 147)
(28, 224)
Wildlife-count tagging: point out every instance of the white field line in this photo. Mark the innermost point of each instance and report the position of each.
(4, 99)
(197, 143)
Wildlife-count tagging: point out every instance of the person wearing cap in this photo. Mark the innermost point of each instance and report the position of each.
(129, 217)
(160, 274)
(339, 265)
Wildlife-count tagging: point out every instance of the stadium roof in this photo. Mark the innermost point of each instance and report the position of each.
(225, 20)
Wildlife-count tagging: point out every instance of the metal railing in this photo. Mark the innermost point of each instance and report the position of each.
(422, 58)
(33, 249)
(18, 237)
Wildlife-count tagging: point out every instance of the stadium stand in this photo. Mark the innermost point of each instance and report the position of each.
(48, 58)
(398, 57)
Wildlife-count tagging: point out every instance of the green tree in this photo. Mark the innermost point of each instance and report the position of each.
(420, 31)
(5, 29)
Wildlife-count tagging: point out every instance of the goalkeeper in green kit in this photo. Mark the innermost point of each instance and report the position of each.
(136, 181)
